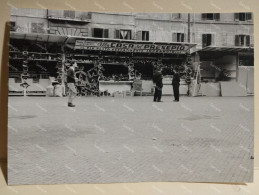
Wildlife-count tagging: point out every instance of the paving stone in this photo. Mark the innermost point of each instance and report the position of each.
(105, 139)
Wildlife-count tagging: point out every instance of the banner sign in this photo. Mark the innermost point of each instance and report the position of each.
(131, 47)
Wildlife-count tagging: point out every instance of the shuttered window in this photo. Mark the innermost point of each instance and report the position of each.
(122, 34)
(242, 40)
(207, 40)
(145, 35)
(179, 37)
(243, 16)
(210, 16)
(100, 33)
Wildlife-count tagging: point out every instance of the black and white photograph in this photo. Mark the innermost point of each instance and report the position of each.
(113, 97)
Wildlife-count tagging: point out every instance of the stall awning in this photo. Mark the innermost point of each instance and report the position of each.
(39, 37)
(110, 45)
(227, 49)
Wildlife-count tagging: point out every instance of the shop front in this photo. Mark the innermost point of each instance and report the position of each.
(123, 63)
(225, 71)
(105, 66)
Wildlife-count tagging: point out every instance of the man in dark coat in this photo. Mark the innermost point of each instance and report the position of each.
(158, 80)
(176, 84)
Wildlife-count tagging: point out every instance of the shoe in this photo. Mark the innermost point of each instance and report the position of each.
(71, 105)
(176, 100)
(159, 101)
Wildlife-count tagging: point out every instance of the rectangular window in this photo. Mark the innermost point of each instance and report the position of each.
(210, 16)
(178, 37)
(122, 34)
(207, 40)
(242, 40)
(69, 14)
(145, 35)
(100, 33)
(243, 16)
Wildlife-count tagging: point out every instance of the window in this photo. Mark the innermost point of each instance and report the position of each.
(178, 37)
(100, 33)
(143, 35)
(122, 34)
(210, 16)
(242, 40)
(243, 16)
(37, 27)
(69, 14)
(12, 26)
(207, 40)
(176, 16)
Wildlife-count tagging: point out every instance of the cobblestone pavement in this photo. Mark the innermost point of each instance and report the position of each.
(132, 139)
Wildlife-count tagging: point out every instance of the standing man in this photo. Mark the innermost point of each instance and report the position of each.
(158, 80)
(71, 79)
(176, 84)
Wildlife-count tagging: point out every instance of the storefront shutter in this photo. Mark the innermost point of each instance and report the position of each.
(236, 40)
(251, 40)
(212, 39)
(139, 35)
(147, 36)
(247, 40)
(204, 40)
(193, 37)
(217, 16)
(184, 37)
(129, 34)
(174, 37)
(93, 32)
(106, 33)
(248, 16)
(117, 34)
(236, 16)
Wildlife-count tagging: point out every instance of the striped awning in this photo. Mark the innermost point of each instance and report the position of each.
(227, 49)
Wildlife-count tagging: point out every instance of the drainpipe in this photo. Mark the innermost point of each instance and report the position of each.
(189, 27)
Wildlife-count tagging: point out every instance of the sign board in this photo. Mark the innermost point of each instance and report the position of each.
(131, 47)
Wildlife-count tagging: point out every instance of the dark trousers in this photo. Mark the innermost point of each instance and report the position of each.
(158, 93)
(176, 92)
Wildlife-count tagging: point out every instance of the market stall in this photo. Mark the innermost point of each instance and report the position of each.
(225, 68)
(104, 64)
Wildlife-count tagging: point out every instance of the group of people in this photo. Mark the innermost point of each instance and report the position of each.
(158, 80)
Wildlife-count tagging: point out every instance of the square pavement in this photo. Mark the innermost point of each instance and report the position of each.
(131, 139)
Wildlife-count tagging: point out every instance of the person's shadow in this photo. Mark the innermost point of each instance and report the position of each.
(4, 101)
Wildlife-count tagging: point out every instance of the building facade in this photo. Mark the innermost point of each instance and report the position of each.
(218, 29)
(208, 32)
